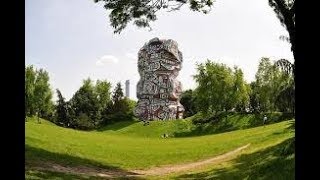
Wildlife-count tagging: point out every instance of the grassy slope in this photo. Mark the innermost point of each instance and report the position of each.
(232, 122)
(185, 127)
(267, 162)
(154, 130)
(136, 146)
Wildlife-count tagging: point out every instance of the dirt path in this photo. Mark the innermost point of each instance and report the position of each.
(114, 173)
(184, 167)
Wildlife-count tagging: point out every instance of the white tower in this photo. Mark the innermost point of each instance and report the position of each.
(127, 88)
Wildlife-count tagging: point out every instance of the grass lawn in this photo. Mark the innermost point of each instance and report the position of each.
(130, 145)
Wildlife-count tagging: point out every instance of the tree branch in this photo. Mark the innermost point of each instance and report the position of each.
(282, 7)
(293, 8)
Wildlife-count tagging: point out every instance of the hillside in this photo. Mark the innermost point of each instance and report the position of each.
(186, 128)
(127, 146)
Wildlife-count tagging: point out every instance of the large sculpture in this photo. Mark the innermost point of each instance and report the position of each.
(158, 91)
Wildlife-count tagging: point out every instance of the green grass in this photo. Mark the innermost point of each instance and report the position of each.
(130, 145)
(265, 163)
(235, 121)
(155, 129)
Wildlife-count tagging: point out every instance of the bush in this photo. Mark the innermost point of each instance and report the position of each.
(84, 122)
(119, 111)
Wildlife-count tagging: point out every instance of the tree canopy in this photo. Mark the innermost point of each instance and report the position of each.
(220, 88)
(274, 87)
(38, 94)
(142, 12)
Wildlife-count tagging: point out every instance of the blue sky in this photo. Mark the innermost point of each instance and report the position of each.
(73, 40)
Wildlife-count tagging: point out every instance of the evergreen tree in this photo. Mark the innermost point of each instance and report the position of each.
(62, 117)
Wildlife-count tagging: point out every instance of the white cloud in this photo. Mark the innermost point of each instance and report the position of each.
(132, 56)
(107, 59)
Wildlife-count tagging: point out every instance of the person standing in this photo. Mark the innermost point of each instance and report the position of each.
(265, 119)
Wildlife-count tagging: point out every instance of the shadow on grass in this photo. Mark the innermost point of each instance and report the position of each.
(117, 126)
(229, 123)
(36, 174)
(37, 157)
(210, 128)
(269, 163)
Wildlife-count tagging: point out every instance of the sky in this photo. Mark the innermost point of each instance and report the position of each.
(73, 40)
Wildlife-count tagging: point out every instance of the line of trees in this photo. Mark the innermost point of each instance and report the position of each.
(222, 89)
(92, 105)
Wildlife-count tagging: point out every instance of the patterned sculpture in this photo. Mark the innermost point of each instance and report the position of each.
(158, 91)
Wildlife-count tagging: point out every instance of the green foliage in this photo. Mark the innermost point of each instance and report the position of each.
(85, 105)
(91, 106)
(273, 89)
(119, 109)
(117, 94)
(220, 88)
(30, 78)
(84, 122)
(188, 102)
(38, 94)
(142, 12)
(103, 91)
(62, 114)
(214, 87)
(285, 100)
(241, 91)
(254, 98)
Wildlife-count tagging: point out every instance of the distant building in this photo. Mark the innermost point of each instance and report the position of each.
(127, 88)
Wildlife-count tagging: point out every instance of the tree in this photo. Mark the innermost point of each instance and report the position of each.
(142, 12)
(43, 94)
(265, 81)
(102, 89)
(62, 110)
(285, 11)
(103, 93)
(118, 93)
(286, 98)
(215, 83)
(30, 78)
(270, 82)
(38, 94)
(188, 102)
(85, 101)
(120, 108)
(286, 66)
(241, 91)
(254, 98)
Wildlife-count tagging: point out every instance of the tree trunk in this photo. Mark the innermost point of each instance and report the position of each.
(288, 17)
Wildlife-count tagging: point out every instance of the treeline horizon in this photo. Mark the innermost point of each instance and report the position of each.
(220, 89)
